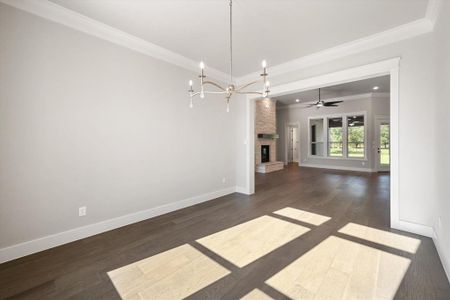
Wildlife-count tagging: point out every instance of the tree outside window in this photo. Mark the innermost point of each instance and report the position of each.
(384, 144)
(335, 137)
(355, 133)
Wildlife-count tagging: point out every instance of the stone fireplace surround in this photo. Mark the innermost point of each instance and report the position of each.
(265, 123)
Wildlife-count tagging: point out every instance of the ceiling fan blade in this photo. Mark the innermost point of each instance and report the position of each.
(331, 103)
(310, 105)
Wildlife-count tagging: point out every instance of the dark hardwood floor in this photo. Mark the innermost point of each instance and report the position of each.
(79, 270)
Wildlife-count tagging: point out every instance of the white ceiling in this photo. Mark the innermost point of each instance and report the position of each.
(277, 30)
(342, 90)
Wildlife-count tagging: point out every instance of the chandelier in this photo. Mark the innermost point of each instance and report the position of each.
(231, 88)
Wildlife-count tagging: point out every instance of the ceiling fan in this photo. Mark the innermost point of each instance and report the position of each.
(320, 103)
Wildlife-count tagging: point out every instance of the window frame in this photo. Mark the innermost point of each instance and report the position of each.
(344, 117)
(310, 142)
(328, 136)
(365, 136)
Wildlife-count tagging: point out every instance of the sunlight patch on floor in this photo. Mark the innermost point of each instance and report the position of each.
(173, 274)
(256, 294)
(301, 215)
(246, 242)
(386, 238)
(341, 269)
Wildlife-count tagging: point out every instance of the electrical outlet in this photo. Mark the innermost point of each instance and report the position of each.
(439, 222)
(224, 180)
(363, 163)
(82, 211)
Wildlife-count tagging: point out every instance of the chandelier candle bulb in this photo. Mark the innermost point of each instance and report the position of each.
(202, 93)
(230, 89)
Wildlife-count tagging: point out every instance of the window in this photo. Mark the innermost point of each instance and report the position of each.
(340, 136)
(316, 136)
(335, 132)
(384, 144)
(355, 133)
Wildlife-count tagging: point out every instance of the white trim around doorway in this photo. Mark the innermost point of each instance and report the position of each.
(385, 67)
(288, 125)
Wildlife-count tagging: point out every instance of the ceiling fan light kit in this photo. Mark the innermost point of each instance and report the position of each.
(231, 88)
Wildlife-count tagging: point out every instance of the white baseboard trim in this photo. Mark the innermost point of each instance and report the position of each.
(441, 254)
(242, 190)
(337, 167)
(415, 228)
(50, 241)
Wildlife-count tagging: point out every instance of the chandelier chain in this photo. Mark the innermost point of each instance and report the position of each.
(231, 41)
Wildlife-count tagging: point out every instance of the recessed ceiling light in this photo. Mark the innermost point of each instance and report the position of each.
(297, 100)
(376, 88)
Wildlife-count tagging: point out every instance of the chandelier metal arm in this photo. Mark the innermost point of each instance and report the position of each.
(193, 94)
(247, 85)
(247, 93)
(215, 92)
(214, 84)
(230, 89)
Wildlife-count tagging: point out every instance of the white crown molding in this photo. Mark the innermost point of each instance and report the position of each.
(69, 18)
(339, 98)
(340, 77)
(56, 13)
(402, 32)
(390, 36)
(433, 9)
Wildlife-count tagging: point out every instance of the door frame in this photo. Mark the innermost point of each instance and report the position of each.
(386, 67)
(286, 140)
(378, 120)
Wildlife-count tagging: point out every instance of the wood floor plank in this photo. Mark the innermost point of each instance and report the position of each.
(173, 274)
(246, 242)
(79, 270)
(256, 294)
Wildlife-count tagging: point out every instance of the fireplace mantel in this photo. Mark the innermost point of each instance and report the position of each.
(268, 136)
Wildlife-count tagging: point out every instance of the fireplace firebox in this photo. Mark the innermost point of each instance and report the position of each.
(265, 153)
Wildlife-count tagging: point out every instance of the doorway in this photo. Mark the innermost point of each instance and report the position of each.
(292, 144)
(386, 67)
(382, 138)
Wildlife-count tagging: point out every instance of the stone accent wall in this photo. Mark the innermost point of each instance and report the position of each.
(265, 122)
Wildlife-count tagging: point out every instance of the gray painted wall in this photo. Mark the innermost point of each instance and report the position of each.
(442, 127)
(86, 122)
(376, 106)
(416, 102)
